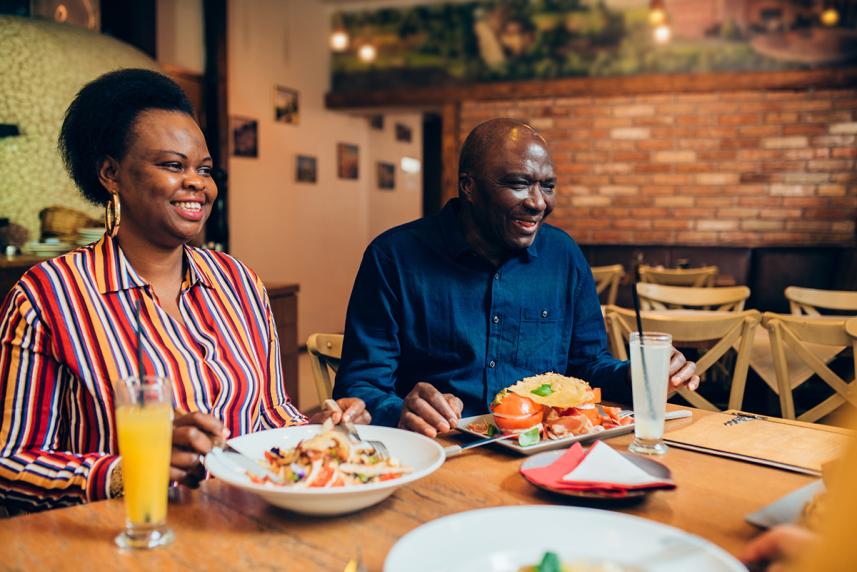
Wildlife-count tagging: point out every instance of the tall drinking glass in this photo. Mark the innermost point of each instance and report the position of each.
(650, 366)
(144, 420)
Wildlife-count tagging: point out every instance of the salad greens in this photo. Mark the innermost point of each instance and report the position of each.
(550, 563)
(543, 390)
(531, 436)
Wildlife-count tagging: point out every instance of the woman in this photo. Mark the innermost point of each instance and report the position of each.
(68, 328)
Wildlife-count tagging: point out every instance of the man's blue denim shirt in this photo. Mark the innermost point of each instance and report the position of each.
(426, 307)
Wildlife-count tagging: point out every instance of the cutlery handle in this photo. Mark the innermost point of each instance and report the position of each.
(679, 414)
(452, 451)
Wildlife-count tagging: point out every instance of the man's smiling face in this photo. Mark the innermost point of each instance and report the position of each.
(512, 190)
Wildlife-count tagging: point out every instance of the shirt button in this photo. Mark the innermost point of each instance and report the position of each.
(496, 276)
(496, 319)
(544, 313)
(492, 363)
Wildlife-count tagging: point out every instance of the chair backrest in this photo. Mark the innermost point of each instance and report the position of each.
(795, 335)
(696, 277)
(724, 329)
(325, 351)
(607, 278)
(660, 297)
(808, 300)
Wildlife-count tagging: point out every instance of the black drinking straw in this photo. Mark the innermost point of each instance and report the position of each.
(137, 312)
(636, 299)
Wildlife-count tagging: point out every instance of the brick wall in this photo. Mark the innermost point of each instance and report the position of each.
(744, 168)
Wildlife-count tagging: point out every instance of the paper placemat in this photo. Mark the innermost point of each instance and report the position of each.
(782, 443)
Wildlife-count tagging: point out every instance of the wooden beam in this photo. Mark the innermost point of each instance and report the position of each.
(596, 86)
(451, 127)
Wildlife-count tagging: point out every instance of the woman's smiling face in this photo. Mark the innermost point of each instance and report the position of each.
(164, 180)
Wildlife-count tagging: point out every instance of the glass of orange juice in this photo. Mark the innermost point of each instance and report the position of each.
(144, 421)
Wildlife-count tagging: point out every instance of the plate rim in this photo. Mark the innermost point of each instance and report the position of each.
(722, 555)
(229, 477)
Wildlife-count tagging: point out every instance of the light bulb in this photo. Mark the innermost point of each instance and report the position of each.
(830, 17)
(367, 53)
(663, 34)
(339, 40)
(657, 16)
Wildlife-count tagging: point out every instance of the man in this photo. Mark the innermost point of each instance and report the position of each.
(448, 310)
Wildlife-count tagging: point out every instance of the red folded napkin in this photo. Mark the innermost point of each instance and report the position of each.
(589, 471)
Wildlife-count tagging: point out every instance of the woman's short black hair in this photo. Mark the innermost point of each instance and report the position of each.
(98, 122)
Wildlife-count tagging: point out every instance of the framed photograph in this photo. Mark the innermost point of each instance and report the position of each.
(347, 161)
(306, 169)
(286, 105)
(403, 133)
(386, 176)
(376, 122)
(245, 137)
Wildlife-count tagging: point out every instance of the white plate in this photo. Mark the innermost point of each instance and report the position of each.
(413, 450)
(505, 538)
(550, 444)
(786, 510)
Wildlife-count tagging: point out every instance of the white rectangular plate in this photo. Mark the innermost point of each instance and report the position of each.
(549, 444)
(787, 509)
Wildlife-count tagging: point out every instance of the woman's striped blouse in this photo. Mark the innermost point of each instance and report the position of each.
(68, 330)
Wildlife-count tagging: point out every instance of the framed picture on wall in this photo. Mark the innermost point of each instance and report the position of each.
(245, 136)
(376, 122)
(347, 161)
(386, 176)
(286, 105)
(403, 133)
(306, 169)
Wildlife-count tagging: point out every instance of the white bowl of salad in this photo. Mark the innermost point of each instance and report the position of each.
(319, 471)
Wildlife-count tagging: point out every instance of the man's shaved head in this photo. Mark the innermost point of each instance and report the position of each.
(486, 138)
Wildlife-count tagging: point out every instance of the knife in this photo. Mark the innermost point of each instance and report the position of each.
(243, 463)
(454, 450)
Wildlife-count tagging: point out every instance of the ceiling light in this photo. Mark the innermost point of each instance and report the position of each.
(657, 13)
(367, 53)
(663, 34)
(830, 16)
(339, 40)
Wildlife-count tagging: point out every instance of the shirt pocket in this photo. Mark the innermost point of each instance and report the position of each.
(538, 337)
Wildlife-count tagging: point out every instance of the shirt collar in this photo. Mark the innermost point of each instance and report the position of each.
(457, 245)
(114, 273)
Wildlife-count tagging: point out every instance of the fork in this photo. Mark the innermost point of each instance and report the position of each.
(350, 430)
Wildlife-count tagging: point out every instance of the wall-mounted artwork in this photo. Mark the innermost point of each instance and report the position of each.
(245, 136)
(347, 161)
(306, 169)
(286, 105)
(386, 176)
(376, 122)
(486, 40)
(403, 133)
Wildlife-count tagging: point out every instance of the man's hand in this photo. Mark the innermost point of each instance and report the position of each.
(779, 546)
(351, 409)
(428, 411)
(194, 435)
(682, 372)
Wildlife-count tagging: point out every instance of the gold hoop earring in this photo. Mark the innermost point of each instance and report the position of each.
(112, 215)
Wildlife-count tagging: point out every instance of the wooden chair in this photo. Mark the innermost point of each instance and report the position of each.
(809, 300)
(607, 278)
(721, 330)
(660, 297)
(792, 334)
(697, 277)
(325, 351)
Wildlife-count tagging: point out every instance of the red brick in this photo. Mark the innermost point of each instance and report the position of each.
(696, 237)
(611, 213)
(763, 130)
(778, 117)
(716, 224)
(674, 201)
(805, 129)
(780, 213)
(694, 212)
(673, 224)
(829, 165)
(658, 190)
(612, 236)
(652, 237)
(762, 225)
(737, 118)
(655, 144)
(630, 156)
(714, 201)
(844, 153)
(738, 213)
(633, 223)
(807, 105)
(760, 201)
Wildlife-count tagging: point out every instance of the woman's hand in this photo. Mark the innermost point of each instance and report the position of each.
(194, 435)
(779, 547)
(346, 409)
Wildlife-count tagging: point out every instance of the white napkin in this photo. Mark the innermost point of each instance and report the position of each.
(603, 464)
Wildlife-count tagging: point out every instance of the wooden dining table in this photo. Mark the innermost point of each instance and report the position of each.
(219, 527)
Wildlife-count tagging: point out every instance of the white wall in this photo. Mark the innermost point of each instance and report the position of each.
(180, 34)
(312, 234)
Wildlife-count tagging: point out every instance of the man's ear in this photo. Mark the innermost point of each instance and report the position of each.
(466, 187)
(108, 174)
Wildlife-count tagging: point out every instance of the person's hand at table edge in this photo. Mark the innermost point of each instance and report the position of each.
(778, 547)
(428, 411)
(346, 409)
(194, 435)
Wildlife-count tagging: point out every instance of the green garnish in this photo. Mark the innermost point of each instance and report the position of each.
(550, 563)
(492, 430)
(543, 390)
(531, 436)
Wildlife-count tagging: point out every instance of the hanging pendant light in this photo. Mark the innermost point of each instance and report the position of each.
(339, 39)
(657, 13)
(830, 15)
(367, 53)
